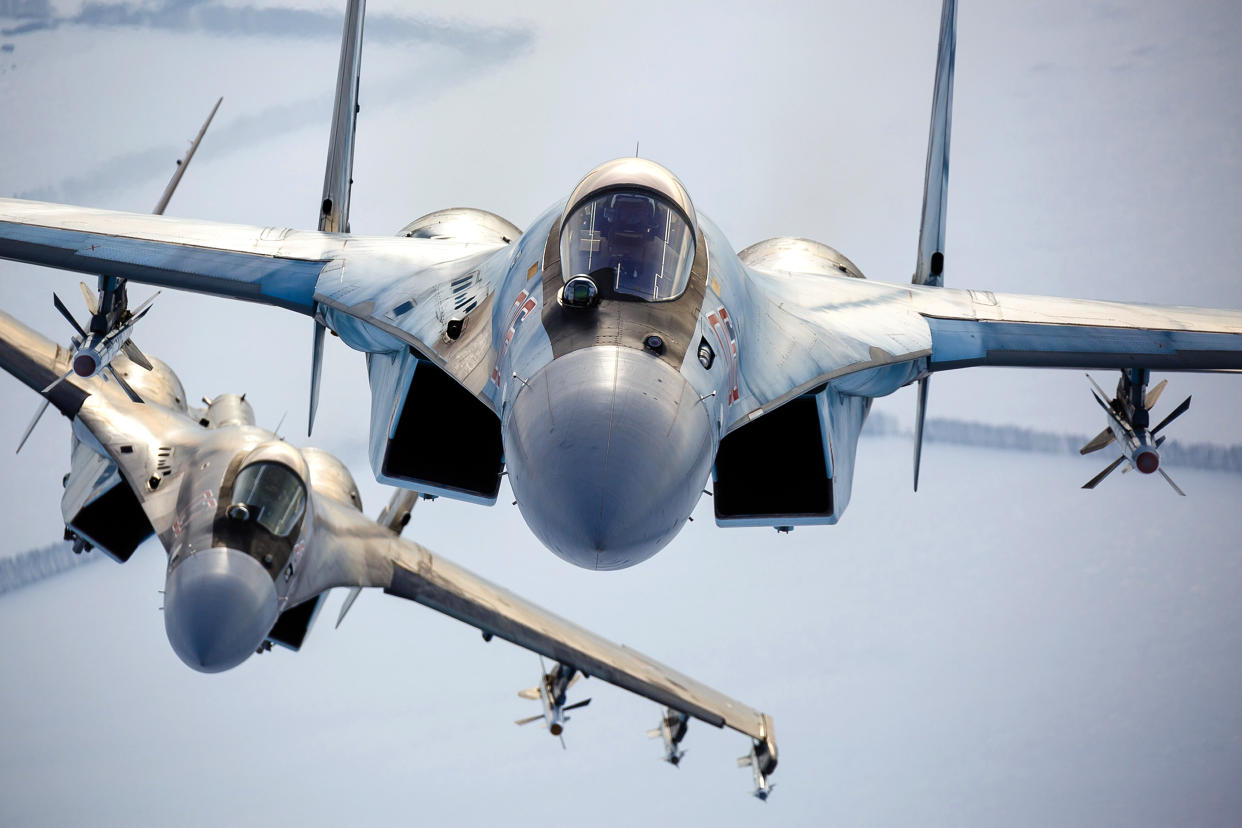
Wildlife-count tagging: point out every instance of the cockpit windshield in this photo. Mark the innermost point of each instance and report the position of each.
(629, 242)
(271, 494)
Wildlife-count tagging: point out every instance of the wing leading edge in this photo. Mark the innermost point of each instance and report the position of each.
(275, 266)
(971, 328)
(366, 555)
(270, 265)
(304, 271)
(870, 338)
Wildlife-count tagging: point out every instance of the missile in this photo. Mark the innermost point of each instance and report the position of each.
(1128, 415)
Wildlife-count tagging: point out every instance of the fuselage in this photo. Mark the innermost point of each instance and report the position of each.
(610, 420)
(613, 403)
(235, 504)
(232, 561)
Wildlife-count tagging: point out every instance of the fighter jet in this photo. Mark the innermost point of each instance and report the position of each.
(258, 531)
(617, 351)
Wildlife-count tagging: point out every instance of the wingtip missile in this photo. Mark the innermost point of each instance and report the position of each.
(672, 730)
(760, 769)
(553, 684)
(95, 351)
(1128, 415)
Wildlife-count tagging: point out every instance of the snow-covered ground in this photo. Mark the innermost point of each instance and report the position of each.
(994, 650)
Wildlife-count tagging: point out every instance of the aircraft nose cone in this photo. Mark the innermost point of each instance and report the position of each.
(219, 605)
(607, 450)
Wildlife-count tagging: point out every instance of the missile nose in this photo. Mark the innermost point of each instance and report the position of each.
(219, 605)
(1147, 461)
(607, 449)
(84, 365)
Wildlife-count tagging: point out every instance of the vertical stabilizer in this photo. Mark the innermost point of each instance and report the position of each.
(929, 269)
(338, 176)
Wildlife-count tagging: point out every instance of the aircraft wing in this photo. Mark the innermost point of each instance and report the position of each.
(144, 441)
(271, 265)
(359, 552)
(972, 327)
(869, 337)
(353, 277)
(802, 330)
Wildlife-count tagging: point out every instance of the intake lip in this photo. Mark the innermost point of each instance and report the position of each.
(607, 449)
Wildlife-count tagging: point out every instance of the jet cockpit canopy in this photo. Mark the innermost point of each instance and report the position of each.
(270, 489)
(271, 494)
(630, 226)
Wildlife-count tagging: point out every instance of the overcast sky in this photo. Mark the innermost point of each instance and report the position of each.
(1000, 648)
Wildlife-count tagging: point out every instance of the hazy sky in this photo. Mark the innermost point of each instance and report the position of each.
(999, 648)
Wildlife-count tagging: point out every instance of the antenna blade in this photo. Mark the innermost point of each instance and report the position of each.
(33, 423)
(338, 176)
(1095, 481)
(1169, 480)
(1173, 415)
(316, 370)
(167, 195)
(929, 269)
(920, 414)
(64, 311)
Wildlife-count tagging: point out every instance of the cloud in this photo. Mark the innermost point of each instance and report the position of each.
(205, 17)
(480, 49)
(37, 565)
